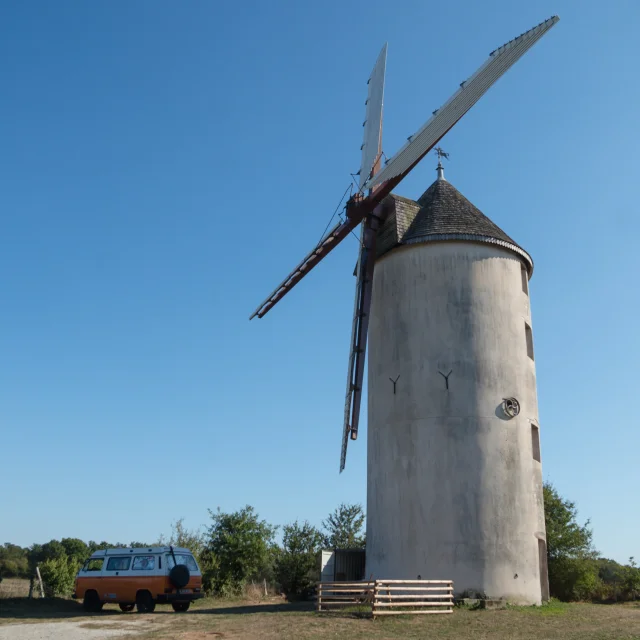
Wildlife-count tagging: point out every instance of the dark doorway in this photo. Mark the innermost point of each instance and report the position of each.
(544, 570)
(349, 564)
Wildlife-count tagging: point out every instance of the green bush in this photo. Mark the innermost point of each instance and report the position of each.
(58, 575)
(632, 580)
(13, 561)
(209, 568)
(296, 563)
(618, 582)
(240, 547)
(573, 572)
(575, 579)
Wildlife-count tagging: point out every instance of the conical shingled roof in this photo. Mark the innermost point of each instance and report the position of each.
(445, 214)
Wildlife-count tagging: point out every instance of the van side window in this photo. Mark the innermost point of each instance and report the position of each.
(118, 564)
(144, 563)
(182, 558)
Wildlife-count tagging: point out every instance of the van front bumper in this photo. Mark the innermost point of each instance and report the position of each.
(179, 597)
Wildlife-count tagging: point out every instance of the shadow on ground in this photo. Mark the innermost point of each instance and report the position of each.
(244, 609)
(24, 608)
(63, 608)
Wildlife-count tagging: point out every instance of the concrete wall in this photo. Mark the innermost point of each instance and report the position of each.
(453, 490)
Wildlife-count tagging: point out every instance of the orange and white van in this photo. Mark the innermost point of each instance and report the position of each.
(140, 577)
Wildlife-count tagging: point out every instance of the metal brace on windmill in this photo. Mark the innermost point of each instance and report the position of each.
(454, 480)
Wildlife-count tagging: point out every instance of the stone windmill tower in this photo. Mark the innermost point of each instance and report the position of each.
(454, 478)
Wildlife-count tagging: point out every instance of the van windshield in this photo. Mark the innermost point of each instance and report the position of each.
(93, 564)
(182, 558)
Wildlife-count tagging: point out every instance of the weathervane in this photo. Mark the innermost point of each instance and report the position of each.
(440, 169)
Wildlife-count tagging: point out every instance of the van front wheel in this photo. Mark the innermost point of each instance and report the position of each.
(144, 602)
(92, 602)
(178, 607)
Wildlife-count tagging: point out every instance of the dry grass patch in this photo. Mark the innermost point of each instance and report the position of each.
(14, 588)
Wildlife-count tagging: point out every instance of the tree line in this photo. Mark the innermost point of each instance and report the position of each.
(576, 569)
(237, 549)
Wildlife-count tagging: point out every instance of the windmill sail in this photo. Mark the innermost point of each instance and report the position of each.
(359, 331)
(371, 152)
(320, 251)
(346, 429)
(372, 136)
(500, 61)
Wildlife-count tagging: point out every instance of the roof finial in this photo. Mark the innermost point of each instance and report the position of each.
(440, 169)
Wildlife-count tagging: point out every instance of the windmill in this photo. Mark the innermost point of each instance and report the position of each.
(376, 182)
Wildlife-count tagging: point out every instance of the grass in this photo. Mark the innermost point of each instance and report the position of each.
(552, 608)
(273, 619)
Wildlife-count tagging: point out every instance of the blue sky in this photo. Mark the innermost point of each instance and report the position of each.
(163, 165)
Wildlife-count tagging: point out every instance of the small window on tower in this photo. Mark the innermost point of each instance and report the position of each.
(535, 442)
(525, 278)
(529, 337)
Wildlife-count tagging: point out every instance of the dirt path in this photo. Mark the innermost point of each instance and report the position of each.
(76, 630)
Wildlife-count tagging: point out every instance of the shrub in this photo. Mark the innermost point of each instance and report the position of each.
(240, 547)
(13, 561)
(296, 564)
(632, 580)
(573, 572)
(58, 575)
